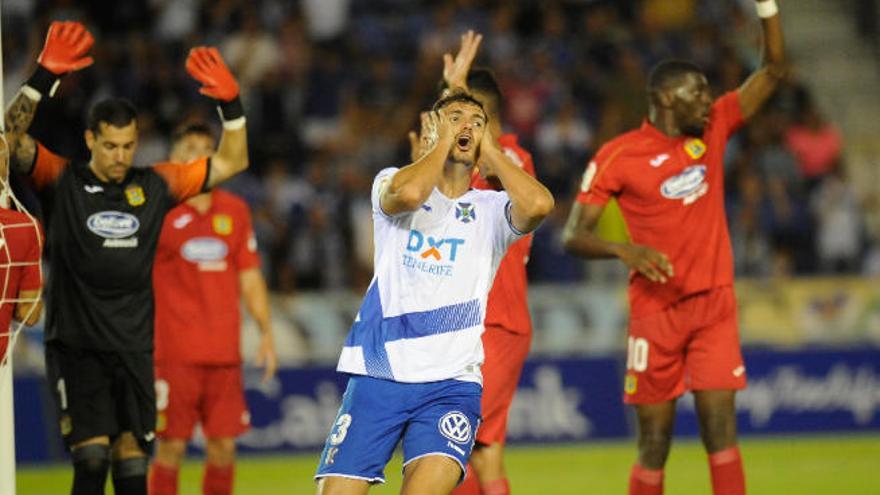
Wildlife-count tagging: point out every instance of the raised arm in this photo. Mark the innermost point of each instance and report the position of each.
(65, 50)
(456, 69)
(761, 84)
(530, 201)
(206, 65)
(410, 187)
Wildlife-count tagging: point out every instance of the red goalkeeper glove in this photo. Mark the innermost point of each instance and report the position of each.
(206, 66)
(65, 50)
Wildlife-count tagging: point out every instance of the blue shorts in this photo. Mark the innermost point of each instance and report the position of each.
(436, 418)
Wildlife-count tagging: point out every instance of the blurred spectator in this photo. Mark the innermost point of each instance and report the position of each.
(816, 143)
(839, 229)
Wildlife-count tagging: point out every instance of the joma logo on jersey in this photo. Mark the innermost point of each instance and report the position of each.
(430, 247)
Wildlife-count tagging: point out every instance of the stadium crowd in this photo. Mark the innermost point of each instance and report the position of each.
(332, 87)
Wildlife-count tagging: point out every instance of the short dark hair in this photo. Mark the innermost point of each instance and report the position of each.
(668, 72)
(186, 129)
(459, 97)
(117, 112)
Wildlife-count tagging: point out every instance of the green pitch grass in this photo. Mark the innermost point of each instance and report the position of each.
(779, 465)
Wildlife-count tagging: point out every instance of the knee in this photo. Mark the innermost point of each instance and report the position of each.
(220, 451)
(718, 431)
(654, 444)
(129, 468)
(170, 452)
(91, 459)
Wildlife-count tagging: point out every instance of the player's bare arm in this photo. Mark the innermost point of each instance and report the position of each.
(761, 84)
(65, 50)
(256, 298)
(530, 201)
(579, 238)
(456, 69)
(206, 66)
(410, 187)
(29, 308)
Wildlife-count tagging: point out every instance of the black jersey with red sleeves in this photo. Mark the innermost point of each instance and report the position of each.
(102, 239)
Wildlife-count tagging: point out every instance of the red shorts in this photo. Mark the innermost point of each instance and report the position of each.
(505, 354)
(691, 345)
(211, 395)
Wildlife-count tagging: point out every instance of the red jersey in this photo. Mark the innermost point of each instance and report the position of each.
(507, 306)
(196, 281)
(19, 265)
(671, 193)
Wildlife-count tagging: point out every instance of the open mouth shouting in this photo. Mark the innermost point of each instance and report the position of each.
(464, 141)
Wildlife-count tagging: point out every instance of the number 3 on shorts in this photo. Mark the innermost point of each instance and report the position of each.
(341, 425)
(637, 354)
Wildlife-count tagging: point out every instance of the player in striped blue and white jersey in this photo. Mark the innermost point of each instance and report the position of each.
(414, 350)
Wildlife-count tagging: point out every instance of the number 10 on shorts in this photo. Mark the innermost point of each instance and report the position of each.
(637, 354)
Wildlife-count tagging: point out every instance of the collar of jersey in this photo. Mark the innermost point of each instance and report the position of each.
(649, 129)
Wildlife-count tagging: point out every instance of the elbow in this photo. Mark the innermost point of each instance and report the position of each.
(542, 206)
(408, 198)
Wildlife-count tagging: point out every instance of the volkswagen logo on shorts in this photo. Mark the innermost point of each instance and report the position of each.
(456, 427)
(113, 224)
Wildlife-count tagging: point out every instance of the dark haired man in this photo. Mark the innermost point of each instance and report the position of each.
(668, 179)
(102, 233)
(206, 262)
(508, 324)
(414, 350)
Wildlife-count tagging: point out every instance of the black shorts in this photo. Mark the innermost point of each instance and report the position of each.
(102, 393)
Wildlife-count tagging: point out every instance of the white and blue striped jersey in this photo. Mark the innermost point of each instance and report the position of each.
(422, 317)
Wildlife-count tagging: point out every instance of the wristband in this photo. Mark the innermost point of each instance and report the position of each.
(231, 125)
(230, 110)
(42, 81)
(767, 9)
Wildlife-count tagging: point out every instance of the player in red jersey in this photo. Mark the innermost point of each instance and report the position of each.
(207, 258)
(20, 252)
(508, 333)
(667, 177)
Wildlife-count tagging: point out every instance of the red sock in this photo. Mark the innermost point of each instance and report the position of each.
(162, 480)
(217, 480)
(728, 477)
(496, 487)
(645, 481)
(470, 485)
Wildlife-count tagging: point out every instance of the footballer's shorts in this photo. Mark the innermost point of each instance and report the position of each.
(102, 393)
(187, 394)
(506, 353)
(691, 345)
(435, 418)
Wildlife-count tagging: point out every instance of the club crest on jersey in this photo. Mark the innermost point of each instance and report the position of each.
(695, 148)
(630, 384)
(222, 224)
(135, 195)
(464, 212)
(687, 186)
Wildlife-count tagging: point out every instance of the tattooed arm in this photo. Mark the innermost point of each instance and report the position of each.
(65, 50)
(22, 146)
